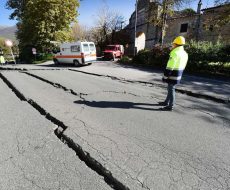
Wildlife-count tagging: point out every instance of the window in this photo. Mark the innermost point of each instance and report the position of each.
(75, 48)
(92, 48)
(184, 28)
(85, 47)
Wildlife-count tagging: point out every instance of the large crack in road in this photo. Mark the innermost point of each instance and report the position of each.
(179, 90)
(81, 95)
(59, 132)
(182, 91)
(96, 166)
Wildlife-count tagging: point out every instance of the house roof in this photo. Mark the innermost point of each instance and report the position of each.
(216, 7)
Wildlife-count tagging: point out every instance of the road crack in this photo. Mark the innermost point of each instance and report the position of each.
(59, 132)
(182, 91)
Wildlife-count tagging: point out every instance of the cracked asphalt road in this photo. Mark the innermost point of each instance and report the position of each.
(32, 157)
(119, 124)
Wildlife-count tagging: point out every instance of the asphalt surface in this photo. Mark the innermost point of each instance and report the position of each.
(209, 87)
(32, 157)
(118, 127)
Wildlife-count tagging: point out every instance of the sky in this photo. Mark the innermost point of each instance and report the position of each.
(89, 9)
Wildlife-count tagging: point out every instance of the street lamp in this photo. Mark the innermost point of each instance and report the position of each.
(135, 30)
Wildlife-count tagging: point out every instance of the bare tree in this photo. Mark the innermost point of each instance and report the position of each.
(80, 32)
(107, 22)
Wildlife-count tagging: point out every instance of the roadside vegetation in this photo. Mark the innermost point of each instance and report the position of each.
(43, 57)
(41, 24)
(204, 58)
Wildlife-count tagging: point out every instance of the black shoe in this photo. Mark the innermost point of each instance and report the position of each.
(167, 108)
(162, 103)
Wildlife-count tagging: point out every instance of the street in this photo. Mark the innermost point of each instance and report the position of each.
(100, 127)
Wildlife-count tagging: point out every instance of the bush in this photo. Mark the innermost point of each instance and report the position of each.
(44, 57)
(205, 56)
(156, 57)
(125, 59)
(143, 57)
(26, 55)
(160, 56)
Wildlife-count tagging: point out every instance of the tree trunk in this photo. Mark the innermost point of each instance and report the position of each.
(164, 19)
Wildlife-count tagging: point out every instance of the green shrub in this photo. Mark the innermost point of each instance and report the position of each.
(44, 56)
(202, 55)
(143, 57)
(160, 56)
(26, 54)
(156, 57)
(125, 59)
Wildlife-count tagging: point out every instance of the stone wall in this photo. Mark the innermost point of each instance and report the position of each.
(175, 28)
(208, 31)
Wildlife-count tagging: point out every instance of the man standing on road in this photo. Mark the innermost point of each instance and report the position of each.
(174, 70)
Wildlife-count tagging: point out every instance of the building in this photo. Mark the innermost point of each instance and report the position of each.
(194, 26)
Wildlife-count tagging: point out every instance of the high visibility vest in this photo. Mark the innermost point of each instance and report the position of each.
(176, 65)
(2, 60)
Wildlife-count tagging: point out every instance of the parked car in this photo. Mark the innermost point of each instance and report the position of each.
(113, 52)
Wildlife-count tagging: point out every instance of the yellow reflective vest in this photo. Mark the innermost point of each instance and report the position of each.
(176, 65)
(2, 60)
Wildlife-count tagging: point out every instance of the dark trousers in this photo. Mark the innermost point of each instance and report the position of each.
(170, 99)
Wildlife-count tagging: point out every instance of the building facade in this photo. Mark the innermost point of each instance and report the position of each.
(196, 26)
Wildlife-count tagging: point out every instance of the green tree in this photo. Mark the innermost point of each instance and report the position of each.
(42, 21)
(160, 11)
(188, 11)
(3, 46)
(6, 50)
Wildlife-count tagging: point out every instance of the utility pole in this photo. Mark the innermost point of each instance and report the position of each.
(198, 20)
(135, 32)
(164, 20)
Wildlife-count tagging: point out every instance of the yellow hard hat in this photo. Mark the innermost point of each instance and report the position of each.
(180, 40)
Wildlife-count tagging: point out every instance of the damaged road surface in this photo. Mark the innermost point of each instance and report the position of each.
(114, 130)
(32, 157)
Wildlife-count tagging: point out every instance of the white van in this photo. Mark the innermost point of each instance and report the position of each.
(77, 53)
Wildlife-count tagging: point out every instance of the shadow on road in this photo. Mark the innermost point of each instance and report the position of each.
(62, 65)
(120, 105)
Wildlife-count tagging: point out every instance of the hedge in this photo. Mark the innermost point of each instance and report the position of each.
(203, 57)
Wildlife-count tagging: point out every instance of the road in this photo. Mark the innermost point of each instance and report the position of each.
(76, 128)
